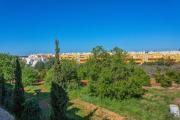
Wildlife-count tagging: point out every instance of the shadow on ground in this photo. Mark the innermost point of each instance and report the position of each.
(72, 114)
(44, 100)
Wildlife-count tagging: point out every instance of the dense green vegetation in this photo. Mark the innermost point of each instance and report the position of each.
(114, 82)
(18, 93)
(167, 76)
(161, 62)
(58, 93)
(2, 88)
(111, 76)
(7, 67)
(152, 106)
(29, 76)
(32, 110)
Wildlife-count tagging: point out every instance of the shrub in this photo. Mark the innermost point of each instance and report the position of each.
(174, 75)
(177, 80)
(158, 75)
(32, 111)
(128, 89)
(29, 76)
(42, 74)
(6, 66)
(69, 72)
(39, 66)
(112, 77)
(165, 81)
(142, 76)
(49, 76)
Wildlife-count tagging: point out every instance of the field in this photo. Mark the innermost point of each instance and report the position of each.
(154, 105)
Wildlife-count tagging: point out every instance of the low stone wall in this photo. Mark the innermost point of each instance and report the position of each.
(4, 115)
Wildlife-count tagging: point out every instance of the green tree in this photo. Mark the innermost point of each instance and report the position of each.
(2, 89)
(42, 74)
(174, 76)
(70, 74)
(58, 94)
(98, 51)
(7, 66)
(40, 66)
(32, 110)
(165, 78)
(50, 63)
(18, 93)
(143, 77)
(177, 79)
(49, 76)
(95, 64)
(29, 75)
(158, 75)
(165, 81)
(111, 76)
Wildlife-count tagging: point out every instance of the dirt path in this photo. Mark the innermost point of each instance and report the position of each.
(95, 112)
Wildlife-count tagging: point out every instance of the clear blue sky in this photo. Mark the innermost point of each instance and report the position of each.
(30, 26)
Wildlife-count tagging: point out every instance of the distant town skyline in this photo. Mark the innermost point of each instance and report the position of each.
(28, 27)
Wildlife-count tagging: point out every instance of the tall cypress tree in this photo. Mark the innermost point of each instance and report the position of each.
(2, 89)
(18, 93)
(58, 94)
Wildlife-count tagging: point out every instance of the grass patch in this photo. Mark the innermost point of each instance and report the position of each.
(153, 106)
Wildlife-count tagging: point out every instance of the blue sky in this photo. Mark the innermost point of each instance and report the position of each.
(30, 26)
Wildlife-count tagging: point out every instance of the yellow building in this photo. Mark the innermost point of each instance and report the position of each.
(138, 57)
(141, 57)
(80, 57)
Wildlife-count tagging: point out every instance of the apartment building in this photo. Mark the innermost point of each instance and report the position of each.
(138, 57)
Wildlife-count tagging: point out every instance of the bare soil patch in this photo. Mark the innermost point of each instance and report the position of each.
(96, 112)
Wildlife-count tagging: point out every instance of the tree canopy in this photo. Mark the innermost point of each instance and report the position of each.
(110, 75)
(7, 66)
(29, 75)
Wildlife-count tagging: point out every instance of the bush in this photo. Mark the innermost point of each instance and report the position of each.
(29, 76)
(132, 88)
(49, 76)
(32, 111)
(166, 77)
(69, 74)
(39, 66)
(158, 76)
(119, 88)
(42, 74)
(177, 80)
(112, 77)
(165, 81)
(174, 75)
(142, 76)
(6, 66)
